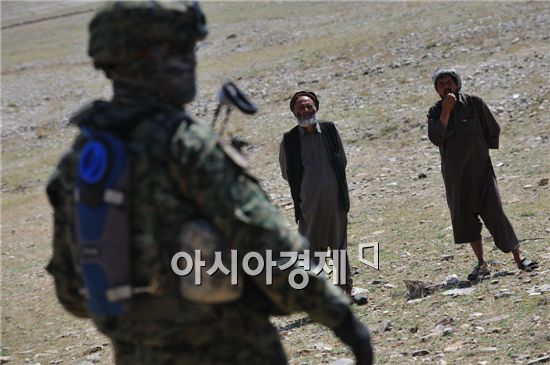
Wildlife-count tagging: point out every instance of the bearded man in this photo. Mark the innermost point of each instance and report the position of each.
(313, 161)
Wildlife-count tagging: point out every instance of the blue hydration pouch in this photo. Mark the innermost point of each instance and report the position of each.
(103, 224)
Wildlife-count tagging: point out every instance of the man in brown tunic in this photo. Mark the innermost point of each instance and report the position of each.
(464, 129)
(313, 161)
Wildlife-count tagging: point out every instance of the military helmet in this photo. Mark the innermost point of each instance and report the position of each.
(124, 31)
(453, 73)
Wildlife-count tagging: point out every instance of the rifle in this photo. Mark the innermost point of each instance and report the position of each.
(229, 97)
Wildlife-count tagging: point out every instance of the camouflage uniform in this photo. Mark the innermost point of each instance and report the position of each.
(180, 172)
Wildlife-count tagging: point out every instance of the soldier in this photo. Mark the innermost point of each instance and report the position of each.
(143, 182)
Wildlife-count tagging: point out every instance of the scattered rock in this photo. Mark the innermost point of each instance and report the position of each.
(423, 176)
(344, 361)
(390, 286)
(458, 292)
(496, 319)
(503, 294)
(448, 258)
(448, 331)
(502, 273)
(539, 289)
(322, 346)
(377, 282)
(384, 326)
(451, 280)
(231, 36)
(488, 349)
(543, 182)
(540, 360)
(423, 352)
(475, 315)
(454, 347)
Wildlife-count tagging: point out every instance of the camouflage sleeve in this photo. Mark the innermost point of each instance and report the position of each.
(61, 267)
(236, 204)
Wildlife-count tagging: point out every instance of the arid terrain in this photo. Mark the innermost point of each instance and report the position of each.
(370, 63)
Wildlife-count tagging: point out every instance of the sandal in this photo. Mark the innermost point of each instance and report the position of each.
(479, 272)
(528, 265)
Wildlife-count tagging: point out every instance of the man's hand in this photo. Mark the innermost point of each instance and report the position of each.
(448, 104)
(357, 336)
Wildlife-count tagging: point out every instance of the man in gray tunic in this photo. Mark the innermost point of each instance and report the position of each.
(464, 129)
(313, 161)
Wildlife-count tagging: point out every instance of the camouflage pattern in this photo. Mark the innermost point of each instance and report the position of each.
(112, 32)
(180, 172)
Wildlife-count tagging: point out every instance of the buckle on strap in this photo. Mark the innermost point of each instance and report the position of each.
(126, 291)
(111, 196)
(121, 292)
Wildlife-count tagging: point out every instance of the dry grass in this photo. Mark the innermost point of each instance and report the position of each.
(381, 118)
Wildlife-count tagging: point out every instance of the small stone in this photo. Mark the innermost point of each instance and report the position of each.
(420, 353)
(494, 281)
(458, 292)
(475, 315)
(377, 282)
(502, 273)
(384, 326)
(488, 349)
(454, 347)
(390, 286)
(448, 331)
(423, 176)
(344, 361)
(322, 346)
(95, 357)
(451, 280)
(503, 295)
(527, 186)
(448, 258)
(543, 182)
(540, 360)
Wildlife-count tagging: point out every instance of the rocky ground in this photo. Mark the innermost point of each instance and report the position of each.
(370, 63)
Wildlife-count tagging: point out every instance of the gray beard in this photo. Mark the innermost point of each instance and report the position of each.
(307, 122)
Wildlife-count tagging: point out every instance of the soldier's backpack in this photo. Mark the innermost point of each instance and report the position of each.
(102, 223)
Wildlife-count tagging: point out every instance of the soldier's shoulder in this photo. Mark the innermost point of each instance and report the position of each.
(193, 134)
(194, 139)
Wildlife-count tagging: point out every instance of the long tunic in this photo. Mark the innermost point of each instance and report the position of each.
(324, 219)
(468, 174)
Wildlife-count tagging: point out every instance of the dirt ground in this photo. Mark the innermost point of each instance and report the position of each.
(370, 63)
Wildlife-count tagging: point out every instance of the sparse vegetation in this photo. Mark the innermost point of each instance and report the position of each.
(370, 63)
